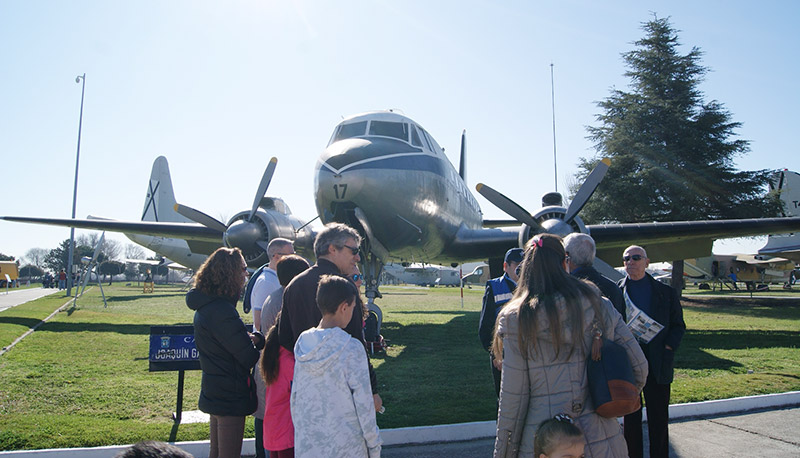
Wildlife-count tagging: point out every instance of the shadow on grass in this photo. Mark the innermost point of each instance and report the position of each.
(761, 307)
(137, 297)
(437, 312)
(129, 329)
(26, 322)
(694, 350)
(441, 375)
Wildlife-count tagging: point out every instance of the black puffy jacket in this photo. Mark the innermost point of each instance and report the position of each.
(227, 356)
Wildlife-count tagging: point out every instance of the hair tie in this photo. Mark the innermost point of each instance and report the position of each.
(565, 418)
(540, 242)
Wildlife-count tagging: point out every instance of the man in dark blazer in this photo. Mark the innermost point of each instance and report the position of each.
(661, 303)
(581, 251)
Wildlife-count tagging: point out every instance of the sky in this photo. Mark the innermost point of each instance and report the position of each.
(220, 87)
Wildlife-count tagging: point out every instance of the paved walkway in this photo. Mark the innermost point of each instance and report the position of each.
(16, 297)
(771, 433)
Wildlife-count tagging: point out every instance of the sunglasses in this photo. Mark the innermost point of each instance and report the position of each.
(357, 277)
(635, 257)
(355, 250)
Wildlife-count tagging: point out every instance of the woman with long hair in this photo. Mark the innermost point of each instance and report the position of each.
(543, 338)
(227, 350)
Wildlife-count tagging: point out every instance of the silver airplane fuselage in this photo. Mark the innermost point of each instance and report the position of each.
(410, 196)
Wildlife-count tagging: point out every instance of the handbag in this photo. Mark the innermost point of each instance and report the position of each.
(611, 382)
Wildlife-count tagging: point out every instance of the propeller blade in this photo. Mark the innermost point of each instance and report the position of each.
(587, 189)
(262, 187)
(199, 217)
(507, 205)
(606, 269)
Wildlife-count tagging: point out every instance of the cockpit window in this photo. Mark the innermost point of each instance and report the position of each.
(389, 129)
(351, 130)
(415, 137)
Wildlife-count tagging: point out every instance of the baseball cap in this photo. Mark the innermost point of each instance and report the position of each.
(513, 255)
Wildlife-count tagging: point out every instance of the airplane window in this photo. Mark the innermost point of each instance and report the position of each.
(389, 129)
(427, 140)
(351, 130)
(415, 137)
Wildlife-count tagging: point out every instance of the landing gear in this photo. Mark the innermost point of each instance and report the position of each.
(371, 268)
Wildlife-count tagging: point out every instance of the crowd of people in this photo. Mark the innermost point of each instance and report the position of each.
(304, 372)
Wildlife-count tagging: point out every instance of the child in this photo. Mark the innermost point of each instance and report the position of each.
(277, 369)
(558, 437)
(332, 405)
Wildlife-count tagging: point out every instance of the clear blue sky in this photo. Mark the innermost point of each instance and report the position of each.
(220, 87)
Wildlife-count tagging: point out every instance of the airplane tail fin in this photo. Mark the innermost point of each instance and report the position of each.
(159, 203)
(788, 184)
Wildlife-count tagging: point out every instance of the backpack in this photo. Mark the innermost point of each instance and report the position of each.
(246, 305)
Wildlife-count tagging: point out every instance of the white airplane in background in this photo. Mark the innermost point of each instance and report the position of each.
(785, 245)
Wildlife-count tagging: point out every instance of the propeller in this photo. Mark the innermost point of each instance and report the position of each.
(587, 189)
(199, 217)
(507, 205)
(262, 187)
(552, 224)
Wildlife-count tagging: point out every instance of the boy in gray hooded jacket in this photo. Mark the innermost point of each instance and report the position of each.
(332, 406)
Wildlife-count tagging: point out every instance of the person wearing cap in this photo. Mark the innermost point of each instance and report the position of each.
(498, 293)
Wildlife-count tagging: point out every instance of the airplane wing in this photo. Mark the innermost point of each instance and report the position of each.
(187, 231)
(667, 241)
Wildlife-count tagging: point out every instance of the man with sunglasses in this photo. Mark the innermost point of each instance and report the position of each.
(661, 303)
(337, 250)
(498, 291)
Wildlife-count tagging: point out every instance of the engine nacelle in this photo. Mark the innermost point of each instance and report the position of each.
(551, 220)
(252, 237)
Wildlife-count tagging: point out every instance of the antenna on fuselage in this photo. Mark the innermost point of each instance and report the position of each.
(553, 99)
(462, 168)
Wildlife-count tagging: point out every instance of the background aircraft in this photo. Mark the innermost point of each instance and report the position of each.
(385, 175)
(785, 245)
(749, 269)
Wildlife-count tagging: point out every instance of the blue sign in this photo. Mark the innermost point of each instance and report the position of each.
(172, 348)
(178, 347)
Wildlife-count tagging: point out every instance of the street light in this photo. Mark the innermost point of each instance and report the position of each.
(78, 79)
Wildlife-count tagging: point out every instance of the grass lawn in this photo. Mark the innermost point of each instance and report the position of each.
(82, 379)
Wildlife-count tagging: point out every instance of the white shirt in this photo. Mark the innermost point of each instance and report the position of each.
(266, 283)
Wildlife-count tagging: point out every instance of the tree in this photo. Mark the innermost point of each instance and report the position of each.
(57, 258)
(111, 268)
(36, 256)
(5, 257)
(30, 271)
(134, 251)
(671, 153)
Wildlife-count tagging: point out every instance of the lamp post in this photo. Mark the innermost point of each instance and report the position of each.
(78, 79)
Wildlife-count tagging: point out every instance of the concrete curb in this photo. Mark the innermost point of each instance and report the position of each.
(448, 433)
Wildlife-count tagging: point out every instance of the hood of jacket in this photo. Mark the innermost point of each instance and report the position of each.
(320, 348)
(196, 299)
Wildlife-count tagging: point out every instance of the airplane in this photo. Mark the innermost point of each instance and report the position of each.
(749, 269)
(425, 274)
(165, 230)
(386, 176)
(785, 245)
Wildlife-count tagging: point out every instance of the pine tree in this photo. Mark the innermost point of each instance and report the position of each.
(671, 153)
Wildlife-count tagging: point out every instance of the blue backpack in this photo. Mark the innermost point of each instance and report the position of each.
(246, 305)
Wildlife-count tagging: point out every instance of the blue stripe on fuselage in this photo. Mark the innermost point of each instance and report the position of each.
(416, 162)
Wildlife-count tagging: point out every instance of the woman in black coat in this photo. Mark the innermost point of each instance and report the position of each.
(227, 350)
